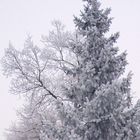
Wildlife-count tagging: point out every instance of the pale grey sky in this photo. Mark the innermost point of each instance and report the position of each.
(21, 17)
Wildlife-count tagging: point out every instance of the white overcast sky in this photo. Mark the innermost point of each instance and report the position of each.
(18, 18)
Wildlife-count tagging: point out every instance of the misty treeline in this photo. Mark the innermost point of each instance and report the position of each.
(74, 85)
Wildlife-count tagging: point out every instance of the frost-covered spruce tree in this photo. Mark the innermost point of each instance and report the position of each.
(99, 94)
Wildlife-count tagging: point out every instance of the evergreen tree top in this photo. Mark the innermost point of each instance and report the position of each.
(93, 19)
